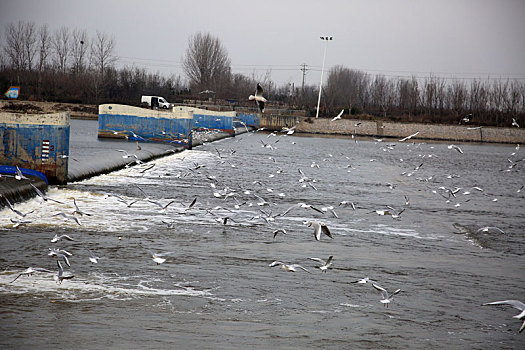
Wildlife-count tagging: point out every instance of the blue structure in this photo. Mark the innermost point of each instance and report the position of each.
(211, 120)
(250, 120)
(135, 123)
(36, 141)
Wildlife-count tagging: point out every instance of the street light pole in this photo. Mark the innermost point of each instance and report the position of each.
(326, 39)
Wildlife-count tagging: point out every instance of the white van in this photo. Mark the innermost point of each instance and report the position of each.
(155, 102)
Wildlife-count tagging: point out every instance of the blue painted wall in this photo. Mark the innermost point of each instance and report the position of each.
(152, 129)
(36, 147)
(214, 122)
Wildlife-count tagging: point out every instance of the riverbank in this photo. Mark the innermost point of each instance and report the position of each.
(396, 130)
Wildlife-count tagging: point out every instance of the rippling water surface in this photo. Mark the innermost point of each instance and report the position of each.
(215, 289)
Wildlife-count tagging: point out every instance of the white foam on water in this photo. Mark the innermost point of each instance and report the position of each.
(99, 286)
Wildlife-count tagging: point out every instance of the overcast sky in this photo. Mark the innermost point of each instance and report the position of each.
(452, 38)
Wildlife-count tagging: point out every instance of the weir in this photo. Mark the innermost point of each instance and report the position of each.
(36, 141)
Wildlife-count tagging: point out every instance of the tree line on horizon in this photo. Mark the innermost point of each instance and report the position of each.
(71, 66)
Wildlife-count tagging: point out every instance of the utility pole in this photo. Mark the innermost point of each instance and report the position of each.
(304, 70)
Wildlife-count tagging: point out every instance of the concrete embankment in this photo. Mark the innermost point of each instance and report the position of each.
(456, 133)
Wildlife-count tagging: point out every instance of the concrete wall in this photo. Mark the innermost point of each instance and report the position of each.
(36, 141)
(396, 130)
(119, 121)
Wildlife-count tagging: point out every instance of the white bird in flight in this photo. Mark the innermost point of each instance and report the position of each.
(409, 137)
(288, 267)
(325, 265)
(337, 117)
(258, 98)
(29, 272)
(456, 148)
(319, 228)
(515, 304)
(387, 298)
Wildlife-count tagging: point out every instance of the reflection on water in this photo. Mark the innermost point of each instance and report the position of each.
(216, 283)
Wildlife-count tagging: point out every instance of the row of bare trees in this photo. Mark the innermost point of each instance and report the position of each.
(69, 65)
(432, 99)
(28, 48)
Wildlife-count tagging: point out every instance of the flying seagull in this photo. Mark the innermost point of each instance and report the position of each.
(92, 257)
(456, 148)
(43, 196)
(288, 267)
(325, 265)
(409, 137)
(515, 123)
(337, 117)
(19, 176)
(387, 298)
(259, 99)
(19, 213)
(319, 228)
(29, 271)
(364, 280)
(515, 304)
(58, 238)
(60, 276)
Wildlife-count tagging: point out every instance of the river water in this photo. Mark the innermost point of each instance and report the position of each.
(216, 290)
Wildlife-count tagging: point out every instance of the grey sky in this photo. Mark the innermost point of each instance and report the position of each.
(461, 38)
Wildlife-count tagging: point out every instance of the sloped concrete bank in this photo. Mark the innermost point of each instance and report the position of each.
(381, 129)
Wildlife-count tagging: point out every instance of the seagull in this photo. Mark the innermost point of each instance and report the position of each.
(276, 232)
(466, 119)
(259, 99)
(409, 137)
(489, 228)
(288, 267)
(60, 276)
(302, 205)
(19, 213)
(17, 223)
(319, 228)
(59, 253)
(325, 264)
(43, 196)
(515, 304)
(68, 217)
(514, 123)
(455, 147)
(93, 258)
(364, 280)
(158, 257)
(19, 176)
(58, 238)
(387, 298)
(338, 116)
(78, 211)
(162, 207)
(346, 203)
(29, 272)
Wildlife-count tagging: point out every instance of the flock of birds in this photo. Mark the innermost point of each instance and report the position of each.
(249, 198)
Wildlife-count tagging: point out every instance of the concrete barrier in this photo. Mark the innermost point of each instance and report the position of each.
(36, 141)
(396, 130)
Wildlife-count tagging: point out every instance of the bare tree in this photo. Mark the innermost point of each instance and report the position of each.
(29, 44)
(61, 48)
(44, 43)
(206, 63)
(79, 47)
(102, 52)
(14, 48)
